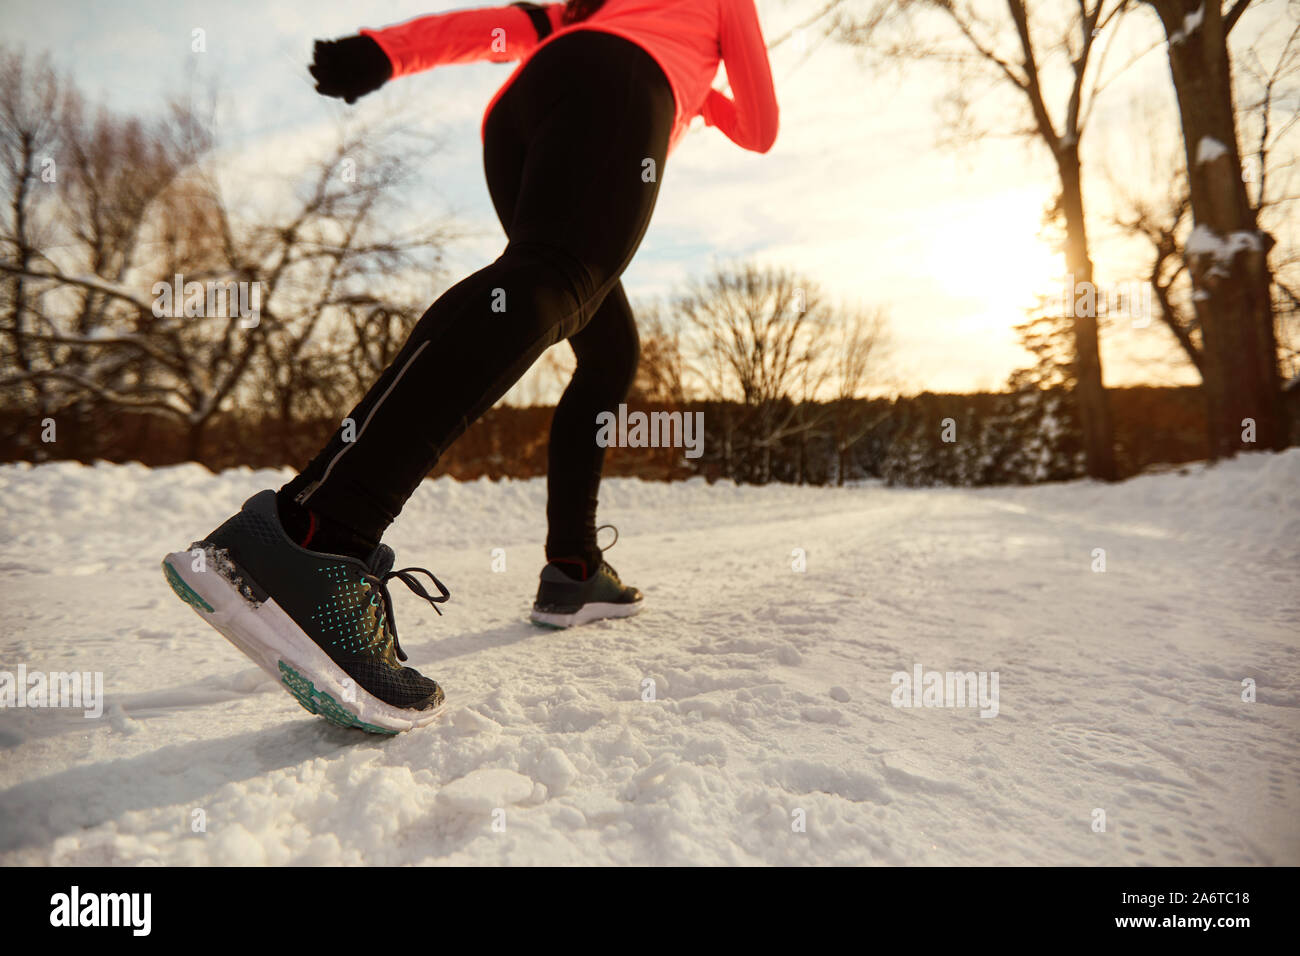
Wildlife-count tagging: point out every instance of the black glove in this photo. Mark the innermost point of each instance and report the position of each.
(350, 68)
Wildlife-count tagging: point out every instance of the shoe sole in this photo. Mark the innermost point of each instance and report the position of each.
(595, 611)
(268, 636)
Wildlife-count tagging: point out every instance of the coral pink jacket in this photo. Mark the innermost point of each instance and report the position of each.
(687, 38)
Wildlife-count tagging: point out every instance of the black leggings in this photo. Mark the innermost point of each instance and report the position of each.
(573, 151)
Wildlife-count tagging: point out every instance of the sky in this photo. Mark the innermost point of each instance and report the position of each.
(861, 192)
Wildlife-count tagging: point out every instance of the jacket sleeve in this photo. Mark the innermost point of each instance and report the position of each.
(752, 118)
(494, 34)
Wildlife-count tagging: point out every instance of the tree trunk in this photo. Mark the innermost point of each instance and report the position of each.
(1227, 254)
(286, 426)
(726, 443)
(1091, 398)
(194, 441)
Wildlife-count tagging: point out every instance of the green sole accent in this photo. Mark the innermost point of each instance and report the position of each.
(546, 625)
(322, 704)
(184, 591)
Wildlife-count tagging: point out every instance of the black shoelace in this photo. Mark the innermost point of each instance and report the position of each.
(407, 577)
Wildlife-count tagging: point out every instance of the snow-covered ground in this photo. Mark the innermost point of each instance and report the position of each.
(772, 736)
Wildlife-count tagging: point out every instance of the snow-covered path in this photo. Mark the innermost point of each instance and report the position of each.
(1118, 691)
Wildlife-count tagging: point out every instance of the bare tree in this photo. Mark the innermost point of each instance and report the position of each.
(77, 333)
(1227, 252)
(1026, 58)
(861, 339)
(30, 94)
(663, 371)
(334, 256)
(134, 209)
(757, 341)
(1160, 210)
(108, 295)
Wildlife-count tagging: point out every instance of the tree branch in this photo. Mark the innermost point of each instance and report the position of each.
(1233, 15)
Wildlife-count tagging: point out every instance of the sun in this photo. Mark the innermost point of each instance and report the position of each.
(989, 256)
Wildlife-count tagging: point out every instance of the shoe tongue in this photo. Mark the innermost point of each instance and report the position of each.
(381, 562)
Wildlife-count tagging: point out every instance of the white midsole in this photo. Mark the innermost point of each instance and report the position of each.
(586, 614)
(268, 636)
